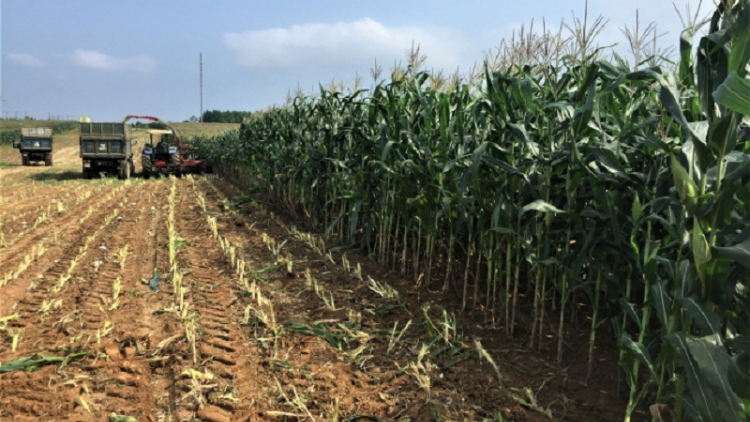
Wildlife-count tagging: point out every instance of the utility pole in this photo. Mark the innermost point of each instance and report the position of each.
(200, 117)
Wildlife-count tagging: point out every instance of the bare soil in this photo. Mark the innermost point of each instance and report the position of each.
(266, 326)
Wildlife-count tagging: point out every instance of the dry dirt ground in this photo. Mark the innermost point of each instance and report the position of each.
(163, 300)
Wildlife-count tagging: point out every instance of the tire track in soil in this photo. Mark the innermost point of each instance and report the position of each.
(31, 224)
(134, 380)
(22, 210)
(165, 342)
(221, 346)
(125, 381)
(121, 382)
(58, 395)
(22, 205)
(322, 380)
(57, 225)
(59, 252)
(28, 307)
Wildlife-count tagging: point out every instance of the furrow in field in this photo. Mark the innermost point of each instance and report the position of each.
(35, 396)
(111, 301)
(22, 199)
(52, 295)
(329, 324)
(37, 260)
(222, 348)
(63, 192)
(45, 216)
(18, 226)
(19, 204)
(54, 228)
(54, 315)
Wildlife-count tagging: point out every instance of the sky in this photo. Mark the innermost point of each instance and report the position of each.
(108, 59)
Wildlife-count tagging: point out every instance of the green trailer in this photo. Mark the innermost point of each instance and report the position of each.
(35, 145)
(107, 148)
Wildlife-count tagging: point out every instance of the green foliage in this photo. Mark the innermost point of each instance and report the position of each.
(568, 183)
(62, 127)
(216, 116)
(36, 362)
(9, 136)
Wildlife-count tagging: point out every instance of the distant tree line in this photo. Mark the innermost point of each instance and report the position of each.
(216, 116)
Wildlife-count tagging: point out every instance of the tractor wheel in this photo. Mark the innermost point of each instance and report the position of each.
(146, 166)
(174, 160)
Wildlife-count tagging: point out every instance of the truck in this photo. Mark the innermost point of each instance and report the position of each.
(107, 148)
(35, 145)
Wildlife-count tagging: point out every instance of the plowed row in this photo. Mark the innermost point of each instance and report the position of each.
(253, 319)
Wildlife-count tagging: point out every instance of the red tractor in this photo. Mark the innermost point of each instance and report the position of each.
(164, 152)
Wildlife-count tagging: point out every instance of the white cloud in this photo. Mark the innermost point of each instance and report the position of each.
(96, 60)
(346, 45)
(25, 59)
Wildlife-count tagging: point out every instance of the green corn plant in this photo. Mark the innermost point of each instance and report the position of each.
(551, 180)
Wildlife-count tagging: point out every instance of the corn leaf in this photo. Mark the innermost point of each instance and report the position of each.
(640, 352)
(36, 362)
(734, 94)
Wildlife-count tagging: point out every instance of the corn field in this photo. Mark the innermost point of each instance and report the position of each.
(543, 187)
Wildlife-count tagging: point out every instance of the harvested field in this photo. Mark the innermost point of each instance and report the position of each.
(183, 300)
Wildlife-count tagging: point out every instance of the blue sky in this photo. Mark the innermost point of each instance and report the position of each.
(107, 59)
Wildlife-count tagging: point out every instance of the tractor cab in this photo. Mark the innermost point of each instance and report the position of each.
(161, 154)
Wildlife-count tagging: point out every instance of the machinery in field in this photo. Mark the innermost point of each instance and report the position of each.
(160, 154)
(35, 145)
(165, 153)
(106, 148)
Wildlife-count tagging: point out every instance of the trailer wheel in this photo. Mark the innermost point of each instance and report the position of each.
(24, 161)
(48, 160)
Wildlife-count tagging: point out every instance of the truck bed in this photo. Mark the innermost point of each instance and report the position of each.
(105, 140)
(35, 144)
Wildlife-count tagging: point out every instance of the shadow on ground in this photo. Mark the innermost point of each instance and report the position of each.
(49, 175)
